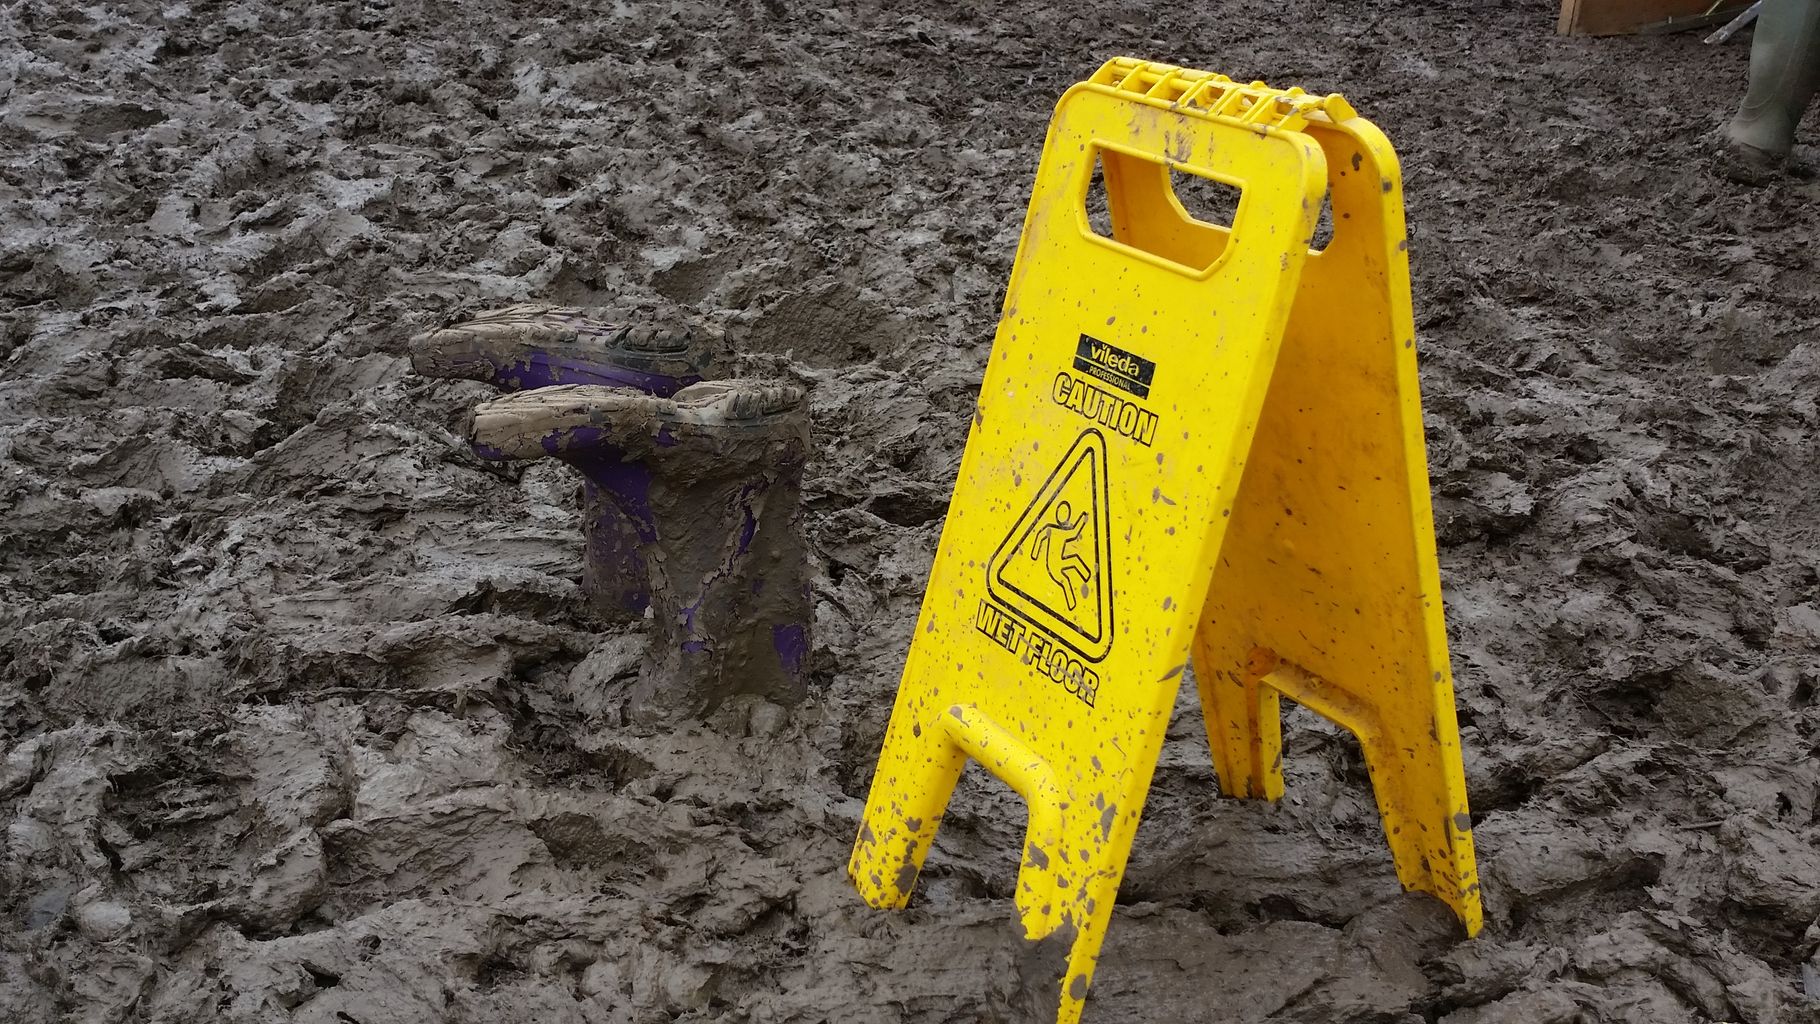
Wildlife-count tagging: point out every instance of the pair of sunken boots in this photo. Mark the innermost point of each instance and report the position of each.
(692, 490)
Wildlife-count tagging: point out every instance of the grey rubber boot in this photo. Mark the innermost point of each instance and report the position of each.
(534, 345)
(1784, 73)
(718, 505)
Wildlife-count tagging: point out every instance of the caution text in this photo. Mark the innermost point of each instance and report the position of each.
(1105, 408)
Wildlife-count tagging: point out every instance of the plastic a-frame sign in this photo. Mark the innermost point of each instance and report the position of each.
(1195, 440)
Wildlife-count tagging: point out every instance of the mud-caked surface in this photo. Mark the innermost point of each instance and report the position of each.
(302, 714)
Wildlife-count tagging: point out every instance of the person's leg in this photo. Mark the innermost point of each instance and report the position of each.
(1784, 73)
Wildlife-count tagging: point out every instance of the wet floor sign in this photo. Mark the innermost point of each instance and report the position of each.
(1198, 438)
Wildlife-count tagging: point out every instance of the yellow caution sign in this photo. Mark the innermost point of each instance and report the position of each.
(1197, 438)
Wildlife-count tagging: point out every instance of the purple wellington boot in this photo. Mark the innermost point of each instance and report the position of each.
(712, 478)
(534, 346)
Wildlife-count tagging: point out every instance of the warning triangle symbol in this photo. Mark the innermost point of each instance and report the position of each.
(1054, 568)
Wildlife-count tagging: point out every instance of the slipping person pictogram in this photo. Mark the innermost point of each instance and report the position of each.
(1058, 552)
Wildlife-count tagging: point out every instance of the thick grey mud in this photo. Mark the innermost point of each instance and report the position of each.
(304, 714)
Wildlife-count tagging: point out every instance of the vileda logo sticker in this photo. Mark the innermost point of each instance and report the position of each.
(1127, 371)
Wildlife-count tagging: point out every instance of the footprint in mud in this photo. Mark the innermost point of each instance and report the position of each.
(827, 326)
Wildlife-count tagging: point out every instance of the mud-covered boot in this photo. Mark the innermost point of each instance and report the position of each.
(716, 498)
(532, 345)
(1784, 74)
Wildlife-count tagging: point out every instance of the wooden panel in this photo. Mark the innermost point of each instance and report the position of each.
(1615, 17)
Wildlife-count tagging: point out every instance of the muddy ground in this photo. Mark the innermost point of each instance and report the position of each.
(302, 715)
